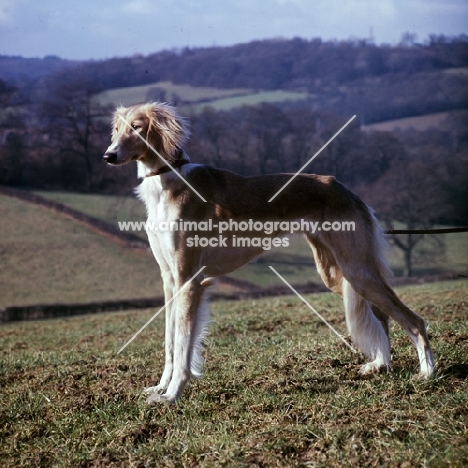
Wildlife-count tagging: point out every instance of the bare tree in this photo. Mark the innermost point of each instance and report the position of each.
(76, 124)
(12, 130)
(269, 127)
(211, 128)
(304, 137)
(413, 196)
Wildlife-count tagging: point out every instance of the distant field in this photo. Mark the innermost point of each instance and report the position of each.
(109, 208)
(461, 70)
(194, 99)
(421, 123)
(224, 104)
(279, 390)
(187, 93)
(49, 258)
(112, 208)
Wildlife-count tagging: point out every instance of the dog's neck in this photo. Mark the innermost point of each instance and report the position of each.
(164, 169)
(154, 166)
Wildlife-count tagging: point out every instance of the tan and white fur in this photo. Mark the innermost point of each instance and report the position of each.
(350, 263)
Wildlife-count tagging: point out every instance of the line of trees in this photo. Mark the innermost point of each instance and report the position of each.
(280, 63)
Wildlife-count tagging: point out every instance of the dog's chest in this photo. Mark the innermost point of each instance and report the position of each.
(161, 215)
(160, 211)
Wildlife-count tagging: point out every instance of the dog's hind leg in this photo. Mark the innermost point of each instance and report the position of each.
(368, 327)
(376, 291)
(326, 264)
(368, 275)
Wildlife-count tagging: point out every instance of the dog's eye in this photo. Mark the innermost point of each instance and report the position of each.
(136, 127)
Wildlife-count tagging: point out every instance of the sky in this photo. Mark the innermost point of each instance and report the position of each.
(98, 29)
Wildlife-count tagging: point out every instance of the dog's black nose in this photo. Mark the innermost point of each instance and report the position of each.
(110, 157)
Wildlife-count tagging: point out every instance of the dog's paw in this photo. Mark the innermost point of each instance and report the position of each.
(155, 398)
(373, 368)
(156, 389)
(427, 370)
(423, 376)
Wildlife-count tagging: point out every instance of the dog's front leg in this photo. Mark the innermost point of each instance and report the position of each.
(168, 282)
(184, 316)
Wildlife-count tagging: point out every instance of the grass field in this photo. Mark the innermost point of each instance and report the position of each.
(194, 99)
(134, 94)
(227, 103)
(420, 123)
(69, 400)
(109, 208)
(461, 70)
(49, 258)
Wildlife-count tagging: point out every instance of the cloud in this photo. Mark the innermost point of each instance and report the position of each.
(105, 28)
(438, 7)
(139, 7)
(8, 10)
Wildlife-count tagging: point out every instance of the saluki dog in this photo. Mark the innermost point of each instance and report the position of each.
(173, 189)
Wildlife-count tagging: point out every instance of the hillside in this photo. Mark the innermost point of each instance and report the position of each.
(278, 64)
(20, 71)
(376, 82)
(49, 258)
(421, 123)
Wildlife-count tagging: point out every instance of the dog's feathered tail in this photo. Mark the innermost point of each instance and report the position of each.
(368, 332)
(200, 333)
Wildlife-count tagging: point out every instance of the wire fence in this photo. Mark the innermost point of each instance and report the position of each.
(427, 231)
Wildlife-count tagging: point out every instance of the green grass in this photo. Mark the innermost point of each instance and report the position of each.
(225, 104)
(49, 258)
(109, 208)
(69, 400)
(461, 70)
(421, 123)
(194, 99)
(187, 93)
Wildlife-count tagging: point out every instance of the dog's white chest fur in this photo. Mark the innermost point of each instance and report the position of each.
(157, 207)
(159, 213)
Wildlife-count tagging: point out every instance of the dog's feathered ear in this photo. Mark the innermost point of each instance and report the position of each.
(167, 130)
(118, 113)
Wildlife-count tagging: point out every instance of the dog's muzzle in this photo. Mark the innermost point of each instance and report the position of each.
(110, 157)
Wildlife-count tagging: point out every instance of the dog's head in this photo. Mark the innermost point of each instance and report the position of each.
(142, 131)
